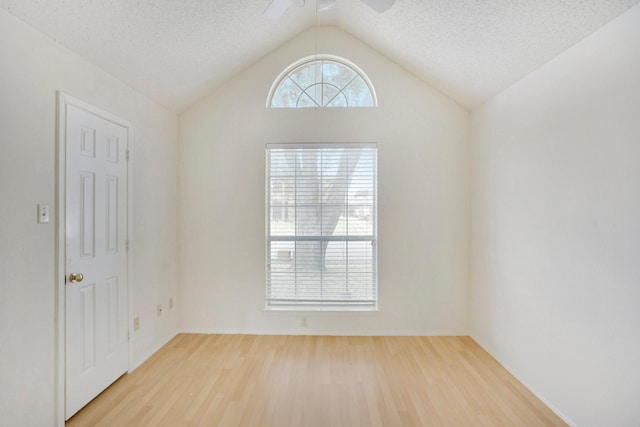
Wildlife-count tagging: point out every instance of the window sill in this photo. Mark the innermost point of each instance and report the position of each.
(317, 309)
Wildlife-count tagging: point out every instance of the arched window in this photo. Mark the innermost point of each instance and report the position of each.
(322, 81)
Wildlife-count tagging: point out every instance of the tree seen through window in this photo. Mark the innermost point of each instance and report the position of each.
(322, 81)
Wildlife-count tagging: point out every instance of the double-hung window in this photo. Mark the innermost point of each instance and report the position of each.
(321, 226)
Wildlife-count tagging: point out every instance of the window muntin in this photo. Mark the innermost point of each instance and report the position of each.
(322, 81)
(321, 225)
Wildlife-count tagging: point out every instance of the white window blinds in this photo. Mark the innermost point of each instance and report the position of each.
(321, 225)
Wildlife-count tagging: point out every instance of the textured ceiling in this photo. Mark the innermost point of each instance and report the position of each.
(176, 51)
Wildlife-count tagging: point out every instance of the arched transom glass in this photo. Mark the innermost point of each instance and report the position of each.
(322, 81)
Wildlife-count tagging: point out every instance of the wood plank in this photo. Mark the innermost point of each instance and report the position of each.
(249, 380)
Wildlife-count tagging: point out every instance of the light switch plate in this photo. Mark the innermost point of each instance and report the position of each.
(43, 213)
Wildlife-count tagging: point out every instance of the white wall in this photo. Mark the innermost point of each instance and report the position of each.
(556, 228)
(555, 207)
(423, 198)
(32, 68)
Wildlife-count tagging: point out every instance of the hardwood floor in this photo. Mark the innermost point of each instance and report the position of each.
(247, 380)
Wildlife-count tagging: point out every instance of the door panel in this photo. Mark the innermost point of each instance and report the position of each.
(96, 233)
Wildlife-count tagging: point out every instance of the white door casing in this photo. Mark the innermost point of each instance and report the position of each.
(95, 309)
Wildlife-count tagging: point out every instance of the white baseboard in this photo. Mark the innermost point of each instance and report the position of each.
(151, 351)
(532, 389)
(315, 332)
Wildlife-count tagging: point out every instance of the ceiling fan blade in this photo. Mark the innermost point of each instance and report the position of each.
(325, 5)
(276, 9)
(379, 5)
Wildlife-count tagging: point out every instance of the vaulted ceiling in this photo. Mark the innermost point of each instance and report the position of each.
(177, 51)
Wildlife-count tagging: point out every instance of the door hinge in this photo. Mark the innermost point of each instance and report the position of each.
(126, 245)
(128, 335)
(127, 154)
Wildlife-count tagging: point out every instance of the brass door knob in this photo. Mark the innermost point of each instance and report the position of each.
(76, 277)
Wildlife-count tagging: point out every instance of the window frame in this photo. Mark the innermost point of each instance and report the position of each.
(319, 58)
(325, 304)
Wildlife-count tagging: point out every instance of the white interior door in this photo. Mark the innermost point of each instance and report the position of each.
(96, 348)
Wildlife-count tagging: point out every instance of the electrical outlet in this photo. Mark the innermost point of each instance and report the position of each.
(159, 310)
(170, 303)
(303, 322)
(136, 323)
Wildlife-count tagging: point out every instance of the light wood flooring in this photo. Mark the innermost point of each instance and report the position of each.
(248, 380)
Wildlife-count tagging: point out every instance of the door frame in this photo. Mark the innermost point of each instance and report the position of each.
(64, 100)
